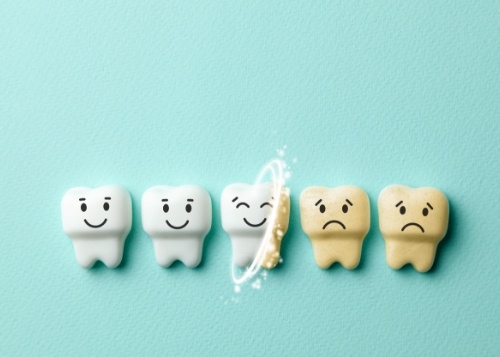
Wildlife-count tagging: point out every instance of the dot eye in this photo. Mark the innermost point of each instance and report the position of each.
(402, 210)
(105, 206)
(322, 208)
(165, 208)
(188, 208)
(425, 211)
(345, 208)
(83, 207)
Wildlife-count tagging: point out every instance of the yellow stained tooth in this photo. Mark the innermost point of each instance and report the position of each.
(413, 221)
(336, 221)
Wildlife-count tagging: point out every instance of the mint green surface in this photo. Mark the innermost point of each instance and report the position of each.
(139, 94)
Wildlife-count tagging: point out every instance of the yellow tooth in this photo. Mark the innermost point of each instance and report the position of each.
(413, 221)
(337, 221)
(279, 228)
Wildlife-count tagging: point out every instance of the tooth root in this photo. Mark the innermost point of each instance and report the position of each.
(246, 240)
(108, 204)
(188, 204)
(343, 250)
(426, 206)
(244, 249)
(186, 250)
(337, 242)
(419, 254)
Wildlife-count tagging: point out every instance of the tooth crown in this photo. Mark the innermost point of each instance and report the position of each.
(337, 221)
(98, 222)
(118, 216)
(413, 221)
(246, 213)
(175, 200)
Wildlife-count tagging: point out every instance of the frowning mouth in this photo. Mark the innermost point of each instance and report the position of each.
(412, 224)
(334, 221)
(98, 226)
(255, 225)
(177, 227)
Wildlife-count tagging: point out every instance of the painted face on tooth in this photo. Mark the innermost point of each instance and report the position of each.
(188, 208)
(243, 205)
(425, 213)
(322, 210)
(105, 207)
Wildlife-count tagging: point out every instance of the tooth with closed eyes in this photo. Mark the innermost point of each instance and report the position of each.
(247, 214)
(413, 221)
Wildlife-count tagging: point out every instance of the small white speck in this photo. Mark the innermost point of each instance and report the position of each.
(237, 289)
(256, 284)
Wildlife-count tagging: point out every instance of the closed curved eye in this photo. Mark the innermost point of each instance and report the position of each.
(242, 204)
(266, 204)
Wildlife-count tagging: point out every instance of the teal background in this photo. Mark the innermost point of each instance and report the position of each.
(146, 93)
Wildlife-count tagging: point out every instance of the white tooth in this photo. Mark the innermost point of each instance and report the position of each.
(177, 219)
(246, 212)
(413, 221)
(337, 221)
(98, 222)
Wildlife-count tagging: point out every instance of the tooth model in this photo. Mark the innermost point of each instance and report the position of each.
(177, 219)
(336, 221)
(248, 218)
(413, 221)
(98, 222)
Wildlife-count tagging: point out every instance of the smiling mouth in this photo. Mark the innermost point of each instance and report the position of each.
(255, 225)
(177, 227)
(334, 221)
(98, 226)
(412, 224)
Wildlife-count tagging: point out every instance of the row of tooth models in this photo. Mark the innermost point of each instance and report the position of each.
(337, 220)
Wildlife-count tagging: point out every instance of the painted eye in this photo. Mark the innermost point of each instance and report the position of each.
(188, 208)
(402, 210)
(242, 204)
(165, 208)
(322, 208)
(266, 204)
(105, 206)
(345, 208)
(83, 207)
(425, 211)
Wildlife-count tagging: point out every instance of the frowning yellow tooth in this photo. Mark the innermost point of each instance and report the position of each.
(337, 221)
(413, 221)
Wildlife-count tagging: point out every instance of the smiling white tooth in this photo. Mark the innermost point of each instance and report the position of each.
(98, 222)
(413, 221)
(246, 212)
(337, 221)
(177, 219)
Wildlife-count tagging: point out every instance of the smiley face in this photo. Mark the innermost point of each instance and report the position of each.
(188, 208)
(242, 205)
(83, 208)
